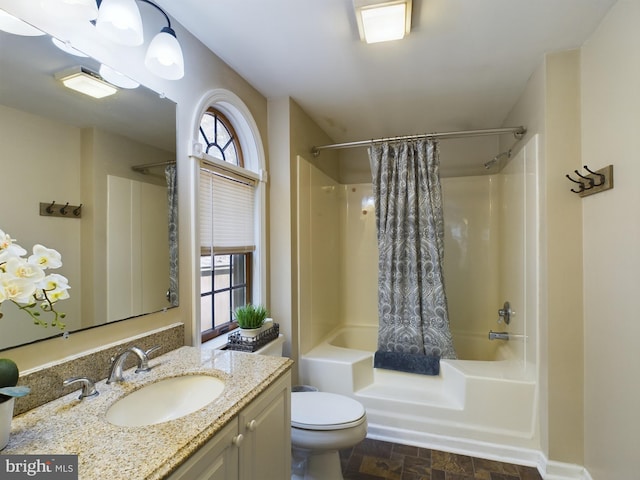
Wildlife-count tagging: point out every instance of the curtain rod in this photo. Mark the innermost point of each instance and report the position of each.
(142, 168)
(518, 132)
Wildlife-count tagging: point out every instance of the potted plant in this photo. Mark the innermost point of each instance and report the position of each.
(25, 283)
(250, 319)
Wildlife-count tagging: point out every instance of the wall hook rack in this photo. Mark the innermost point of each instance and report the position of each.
(594, 182)
(60, 210)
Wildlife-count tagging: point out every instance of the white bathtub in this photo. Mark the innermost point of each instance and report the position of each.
(485, 407)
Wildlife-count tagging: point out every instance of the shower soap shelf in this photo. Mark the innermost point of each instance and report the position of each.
(236, 341)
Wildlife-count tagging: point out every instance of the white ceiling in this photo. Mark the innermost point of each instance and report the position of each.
(463, 66)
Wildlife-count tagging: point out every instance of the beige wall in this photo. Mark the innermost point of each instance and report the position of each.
(611, 228)
(564, 259)
(550, 107)
(291, 134)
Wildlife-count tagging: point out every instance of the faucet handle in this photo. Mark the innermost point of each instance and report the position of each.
(88, 386)
(144, 359)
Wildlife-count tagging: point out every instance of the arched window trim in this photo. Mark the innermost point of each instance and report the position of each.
(250, 140)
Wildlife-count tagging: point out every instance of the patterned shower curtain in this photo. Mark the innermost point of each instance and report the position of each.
(172, 200)
(412, 306)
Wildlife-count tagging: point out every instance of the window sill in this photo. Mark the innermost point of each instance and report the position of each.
(219, 342)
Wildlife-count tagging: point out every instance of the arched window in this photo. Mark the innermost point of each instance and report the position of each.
(219, 138)
(231, 210)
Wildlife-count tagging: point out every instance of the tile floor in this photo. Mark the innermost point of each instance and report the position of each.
(377, 460)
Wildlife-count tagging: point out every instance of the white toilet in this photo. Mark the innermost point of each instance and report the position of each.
(321, 424)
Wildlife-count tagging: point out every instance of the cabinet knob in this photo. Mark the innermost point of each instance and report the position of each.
(251, 426)
(238, 439)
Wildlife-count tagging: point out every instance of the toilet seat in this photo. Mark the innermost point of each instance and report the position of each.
(325, 411)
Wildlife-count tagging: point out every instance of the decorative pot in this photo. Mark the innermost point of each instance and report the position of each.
(6, 414)
(250, 332)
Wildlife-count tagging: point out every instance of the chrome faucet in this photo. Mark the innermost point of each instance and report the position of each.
(115, 374)
(88, 387)
(498, 335)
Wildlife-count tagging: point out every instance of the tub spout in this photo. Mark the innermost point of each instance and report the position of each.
(498, 335)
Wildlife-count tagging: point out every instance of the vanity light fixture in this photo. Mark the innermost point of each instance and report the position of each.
(120, 21)
(11, 24)
(382, 21)
(85, 81)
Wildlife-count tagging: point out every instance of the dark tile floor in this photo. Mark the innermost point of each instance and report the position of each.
(377, 460)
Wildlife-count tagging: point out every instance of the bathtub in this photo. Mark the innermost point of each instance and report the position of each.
(484, 407)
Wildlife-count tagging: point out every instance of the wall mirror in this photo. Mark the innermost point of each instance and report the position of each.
(59, 145)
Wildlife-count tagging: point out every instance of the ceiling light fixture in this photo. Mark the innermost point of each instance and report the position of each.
(85, 81)
(383, 21)
(120, 21)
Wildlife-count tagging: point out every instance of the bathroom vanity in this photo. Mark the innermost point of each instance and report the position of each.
(244, 433)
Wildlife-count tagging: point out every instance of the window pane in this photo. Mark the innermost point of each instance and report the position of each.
(205, 274)
(239, 297)
(239, 270)
(223, 308)
(222, 272)
(231, 155)
(206, 318)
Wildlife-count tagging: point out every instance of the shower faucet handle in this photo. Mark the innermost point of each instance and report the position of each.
(505, 313)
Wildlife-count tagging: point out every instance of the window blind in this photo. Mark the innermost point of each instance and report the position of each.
(226, 212)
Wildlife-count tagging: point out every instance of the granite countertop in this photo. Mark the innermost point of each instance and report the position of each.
(71, 426)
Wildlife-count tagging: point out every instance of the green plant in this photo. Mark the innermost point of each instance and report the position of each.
(9, 379)
(250, 316)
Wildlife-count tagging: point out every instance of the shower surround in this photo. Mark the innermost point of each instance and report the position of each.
(487, 402)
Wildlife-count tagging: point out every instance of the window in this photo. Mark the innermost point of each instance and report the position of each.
(227, 217)
(219, 138)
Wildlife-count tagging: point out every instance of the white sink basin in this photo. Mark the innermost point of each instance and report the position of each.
(165, 400)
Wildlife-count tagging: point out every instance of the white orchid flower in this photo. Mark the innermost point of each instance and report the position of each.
(8, 247)
(20, 268)
(58, 295)
(53, 283)
(23, 281)
(45, 257)
(20, 290)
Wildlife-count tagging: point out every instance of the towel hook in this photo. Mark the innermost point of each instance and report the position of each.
(582, 185)
(602, 177)
(589, 179)
(50, 207)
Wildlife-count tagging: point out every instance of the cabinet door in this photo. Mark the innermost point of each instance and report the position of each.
(216, 460)
(266, 425)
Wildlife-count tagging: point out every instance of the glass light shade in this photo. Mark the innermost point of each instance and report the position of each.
(116, 78)
(120, 21)
(14, 25)
(164, 56)
(384, 23)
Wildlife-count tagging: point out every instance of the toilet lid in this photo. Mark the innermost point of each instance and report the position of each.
(325, 411)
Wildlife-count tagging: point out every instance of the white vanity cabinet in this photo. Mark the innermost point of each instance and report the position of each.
(256, 445)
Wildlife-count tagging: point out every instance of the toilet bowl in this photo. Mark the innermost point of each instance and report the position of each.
(321, 424)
